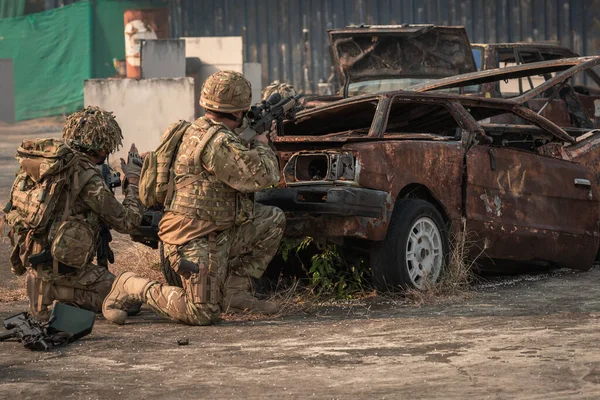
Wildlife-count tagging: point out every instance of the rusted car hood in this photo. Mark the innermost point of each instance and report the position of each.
(396, 51)
(565, 69)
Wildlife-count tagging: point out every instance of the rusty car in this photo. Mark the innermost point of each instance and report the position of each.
(500, 55)
(398, 173)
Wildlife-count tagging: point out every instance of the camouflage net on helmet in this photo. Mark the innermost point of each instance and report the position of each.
(93, 129)
(284, 89)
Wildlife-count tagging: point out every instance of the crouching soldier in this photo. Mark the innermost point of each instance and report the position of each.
(57, 205)
(216, 238)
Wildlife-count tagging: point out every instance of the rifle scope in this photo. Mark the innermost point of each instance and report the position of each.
(255, 112)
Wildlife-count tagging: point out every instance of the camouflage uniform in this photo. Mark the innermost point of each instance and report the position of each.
(86, 286)
(93, 203)
(212, 222)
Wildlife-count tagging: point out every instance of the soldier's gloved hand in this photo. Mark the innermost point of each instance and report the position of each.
(132, 168)
(263, 138)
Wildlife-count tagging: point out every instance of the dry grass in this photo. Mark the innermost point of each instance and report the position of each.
(292, 299)
(129, 256)
(135, 257)
(14, 290)
(456, 278)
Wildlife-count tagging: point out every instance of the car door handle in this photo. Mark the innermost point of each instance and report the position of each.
(582, 182)
(492, 159)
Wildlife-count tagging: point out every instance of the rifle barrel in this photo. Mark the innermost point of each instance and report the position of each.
(8, 335)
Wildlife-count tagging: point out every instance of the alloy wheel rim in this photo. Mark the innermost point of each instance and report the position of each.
(424, 252)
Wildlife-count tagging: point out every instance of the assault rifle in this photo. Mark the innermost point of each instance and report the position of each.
(275, 108)
(104, 253)
(28, 331)
(147, 232)
(66, 325)
(112, 178)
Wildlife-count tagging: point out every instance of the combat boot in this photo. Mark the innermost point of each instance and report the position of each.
(238, 297)
(127, 288)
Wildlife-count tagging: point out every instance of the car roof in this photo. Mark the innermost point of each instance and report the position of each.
(439, 97)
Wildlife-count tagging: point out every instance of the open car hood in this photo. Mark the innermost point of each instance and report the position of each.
(565, 69)
(398, 51)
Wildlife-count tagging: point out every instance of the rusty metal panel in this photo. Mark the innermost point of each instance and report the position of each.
(522, 202)
(437, 166)
(149, 23)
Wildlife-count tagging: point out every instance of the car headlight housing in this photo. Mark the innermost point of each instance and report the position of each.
(321, 167)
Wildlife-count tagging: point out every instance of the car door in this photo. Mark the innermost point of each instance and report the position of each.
(532, 207)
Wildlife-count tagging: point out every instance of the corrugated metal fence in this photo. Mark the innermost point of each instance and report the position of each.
(286, 36)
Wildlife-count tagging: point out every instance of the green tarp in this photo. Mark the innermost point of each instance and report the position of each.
(52, 57)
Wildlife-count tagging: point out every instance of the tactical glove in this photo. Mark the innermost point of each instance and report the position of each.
(132, 168)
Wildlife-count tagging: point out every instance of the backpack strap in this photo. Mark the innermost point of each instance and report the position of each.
(212, 131)
(170, 189)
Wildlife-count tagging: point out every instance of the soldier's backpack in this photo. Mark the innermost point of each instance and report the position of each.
(157, 179)
(48, 168)
(157, 168)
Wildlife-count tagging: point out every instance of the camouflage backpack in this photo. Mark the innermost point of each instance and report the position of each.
(157, 169)
(157, 179)
(48, 168)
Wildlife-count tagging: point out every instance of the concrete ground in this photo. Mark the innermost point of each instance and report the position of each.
(526, 337)
(535, 338)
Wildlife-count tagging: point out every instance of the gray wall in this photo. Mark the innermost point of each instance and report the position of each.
(223, 53)
(143, 108)
(273, 29)
(7, 91)
(163, 58)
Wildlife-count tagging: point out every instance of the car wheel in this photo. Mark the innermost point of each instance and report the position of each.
(172, 277)
(414, 250)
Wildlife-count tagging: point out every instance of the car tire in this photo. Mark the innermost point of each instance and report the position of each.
(414, 250)
(172, 277)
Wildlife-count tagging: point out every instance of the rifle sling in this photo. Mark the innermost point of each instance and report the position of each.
(40, 288)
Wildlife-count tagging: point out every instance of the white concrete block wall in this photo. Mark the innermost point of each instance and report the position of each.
(143, 108)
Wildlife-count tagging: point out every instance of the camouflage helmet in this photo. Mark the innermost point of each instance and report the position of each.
(284, 89)
(92, 129)
(226, 91)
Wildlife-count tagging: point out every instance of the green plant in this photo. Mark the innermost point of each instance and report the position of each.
(330, 272)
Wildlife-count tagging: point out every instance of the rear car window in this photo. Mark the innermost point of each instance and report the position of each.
(356, 117)
(417, 117)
